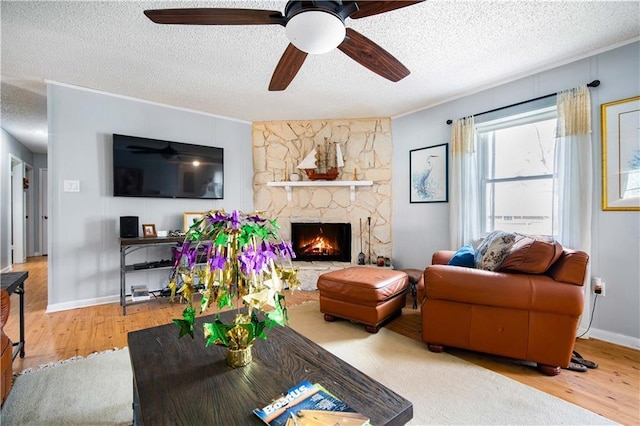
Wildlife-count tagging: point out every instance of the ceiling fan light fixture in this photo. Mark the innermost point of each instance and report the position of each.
(315, 31)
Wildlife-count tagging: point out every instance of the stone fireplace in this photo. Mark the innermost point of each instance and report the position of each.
(321, 241)
(367, 147)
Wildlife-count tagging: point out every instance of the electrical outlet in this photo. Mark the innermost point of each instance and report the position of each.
(598, 286)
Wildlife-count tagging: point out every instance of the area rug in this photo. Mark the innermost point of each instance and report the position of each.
(97, 390)
(443, 389)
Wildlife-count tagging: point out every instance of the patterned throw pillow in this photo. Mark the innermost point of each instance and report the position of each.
(493, 250)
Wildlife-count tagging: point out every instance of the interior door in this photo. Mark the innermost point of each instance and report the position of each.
(28, 211)
(17, 212)
(44, 209)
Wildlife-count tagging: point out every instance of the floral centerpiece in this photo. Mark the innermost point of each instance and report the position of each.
(234, 260)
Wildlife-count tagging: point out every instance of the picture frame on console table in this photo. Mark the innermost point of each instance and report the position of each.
(429, 174)
(189, 218)
(149, 230)
(621, 155)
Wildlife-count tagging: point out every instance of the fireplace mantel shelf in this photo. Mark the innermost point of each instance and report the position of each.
(350, 183)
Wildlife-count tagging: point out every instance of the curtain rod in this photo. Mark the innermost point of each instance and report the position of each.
(594, 83)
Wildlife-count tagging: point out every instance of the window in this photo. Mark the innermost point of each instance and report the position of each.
(516, 169)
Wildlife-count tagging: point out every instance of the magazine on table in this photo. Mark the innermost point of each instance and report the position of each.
(308, 404)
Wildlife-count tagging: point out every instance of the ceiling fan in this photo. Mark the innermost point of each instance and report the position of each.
(311, 26)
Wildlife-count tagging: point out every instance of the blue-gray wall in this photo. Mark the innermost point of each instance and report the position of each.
(84, 226)
(421, 229)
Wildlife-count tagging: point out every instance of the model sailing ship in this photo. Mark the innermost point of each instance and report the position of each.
(323, 162)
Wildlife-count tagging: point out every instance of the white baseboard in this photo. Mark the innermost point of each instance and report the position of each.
(615, 338)
(85, 303)
(7, 269)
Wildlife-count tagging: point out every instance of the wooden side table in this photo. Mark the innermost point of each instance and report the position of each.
(414, 279)
(13, 282)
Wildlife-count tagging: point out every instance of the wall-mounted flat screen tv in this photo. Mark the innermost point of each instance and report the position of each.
(162, 169)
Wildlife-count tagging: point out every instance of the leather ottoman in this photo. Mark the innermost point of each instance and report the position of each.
(365, 295)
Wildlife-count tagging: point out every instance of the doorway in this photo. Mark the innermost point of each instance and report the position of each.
(27, 186)
(18, 222)
(44, 211)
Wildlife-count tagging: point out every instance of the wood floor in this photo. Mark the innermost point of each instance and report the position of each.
(613, 390)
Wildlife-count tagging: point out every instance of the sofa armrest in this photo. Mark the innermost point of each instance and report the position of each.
(570, 268)
(442, 257)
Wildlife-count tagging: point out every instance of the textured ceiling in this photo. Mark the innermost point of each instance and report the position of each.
(451, 47)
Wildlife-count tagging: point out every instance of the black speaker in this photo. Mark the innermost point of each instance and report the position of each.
(128, 226)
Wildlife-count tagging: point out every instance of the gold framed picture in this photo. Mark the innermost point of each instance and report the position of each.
(149, 230)
(190, 218)
(621, 155)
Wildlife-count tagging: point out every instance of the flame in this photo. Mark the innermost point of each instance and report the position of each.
(318, 245)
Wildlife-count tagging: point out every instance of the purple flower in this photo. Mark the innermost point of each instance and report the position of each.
(247, 260)
(286, 250)
(179, 252)
(191, 254)
(235, 220)
(266, 249)
(217, 261)
(256, 219)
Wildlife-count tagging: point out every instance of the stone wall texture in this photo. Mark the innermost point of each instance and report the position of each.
(367, 147)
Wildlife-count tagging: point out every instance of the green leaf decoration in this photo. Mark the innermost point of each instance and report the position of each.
(185, 327)
(186, 324)
(225, 300)
(189, 314)
(279, 314)
(221, 239)
(215, 333)
(260, 327)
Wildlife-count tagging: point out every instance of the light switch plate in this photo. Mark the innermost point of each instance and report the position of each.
(71, 186)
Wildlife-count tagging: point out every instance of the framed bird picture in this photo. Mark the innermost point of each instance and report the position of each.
(429, 174)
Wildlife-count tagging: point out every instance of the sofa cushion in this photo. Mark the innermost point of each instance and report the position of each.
(532, 254)
(465, 256)
(493, 250)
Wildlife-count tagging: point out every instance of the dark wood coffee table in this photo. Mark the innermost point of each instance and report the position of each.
(180, 382)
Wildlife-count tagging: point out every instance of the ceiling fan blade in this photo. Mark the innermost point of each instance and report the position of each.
(213, 16)
(287, 68)
(369, 8)
(370, 55)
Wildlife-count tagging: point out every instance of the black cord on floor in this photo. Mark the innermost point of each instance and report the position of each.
(590, 320)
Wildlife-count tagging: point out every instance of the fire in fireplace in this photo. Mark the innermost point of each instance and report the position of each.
(321, 241)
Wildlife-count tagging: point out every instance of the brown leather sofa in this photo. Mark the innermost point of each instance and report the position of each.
(7, 347)
(507, 312)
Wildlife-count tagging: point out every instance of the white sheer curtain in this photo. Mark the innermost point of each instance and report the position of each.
(573, 186)
(464, 208)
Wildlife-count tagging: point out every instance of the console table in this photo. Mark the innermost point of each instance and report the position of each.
(13, 282)
(130, 245)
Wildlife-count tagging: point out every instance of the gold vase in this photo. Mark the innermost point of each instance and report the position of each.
(239, 357)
